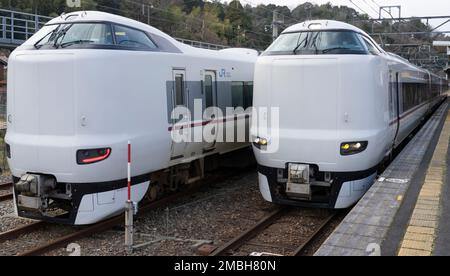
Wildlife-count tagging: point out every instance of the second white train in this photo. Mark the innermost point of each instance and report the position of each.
(344, 105)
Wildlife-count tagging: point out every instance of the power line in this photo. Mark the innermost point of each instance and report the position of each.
(359, 8)
(186, 16)
(267, 9)
(373, 1)
(367, 3)
(136, 13)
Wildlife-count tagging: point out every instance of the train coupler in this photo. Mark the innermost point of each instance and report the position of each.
(33, 190)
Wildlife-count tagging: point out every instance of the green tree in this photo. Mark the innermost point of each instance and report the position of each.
(189, 5)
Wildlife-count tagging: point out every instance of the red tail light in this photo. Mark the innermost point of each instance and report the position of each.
(91, 156)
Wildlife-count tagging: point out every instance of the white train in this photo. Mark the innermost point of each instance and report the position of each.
(344, 106)
(89, 82)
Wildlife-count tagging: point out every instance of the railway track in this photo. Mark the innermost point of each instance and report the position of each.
(245, 238)
(99, 227)
(4, 187)
(6, 197)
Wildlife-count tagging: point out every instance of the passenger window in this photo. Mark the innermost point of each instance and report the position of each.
(128, 37)
(237, 94)
(179, 91)
(248, 95)
(372, 49)
(209, 91)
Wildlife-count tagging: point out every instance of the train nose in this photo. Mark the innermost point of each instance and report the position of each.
(305, 90)
(41, 108)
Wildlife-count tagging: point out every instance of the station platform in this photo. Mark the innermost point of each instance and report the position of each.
(407, 211)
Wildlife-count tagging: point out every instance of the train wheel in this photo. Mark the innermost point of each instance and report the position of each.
(154, 192)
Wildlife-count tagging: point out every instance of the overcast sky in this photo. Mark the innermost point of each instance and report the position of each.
(409, 7)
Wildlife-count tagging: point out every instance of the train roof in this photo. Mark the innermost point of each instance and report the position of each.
(96, 16)
(89, 16)
(322, 25)
(406, 62)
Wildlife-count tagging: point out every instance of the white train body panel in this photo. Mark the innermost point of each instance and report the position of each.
(311, 131)
(326, 101)
(61, 101)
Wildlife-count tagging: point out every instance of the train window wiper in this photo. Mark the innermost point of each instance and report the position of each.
(39, 43)
(70, 43)
(305, 41)
(61, 35)
(336, 49)
(315, 43)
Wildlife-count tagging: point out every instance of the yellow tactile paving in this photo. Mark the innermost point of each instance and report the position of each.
(426, 206)
(413, 252)
(418, 245)
(426, 212)
(421, 233)
(421, 230)
(423, 223)
(419, 237)
(417, 216)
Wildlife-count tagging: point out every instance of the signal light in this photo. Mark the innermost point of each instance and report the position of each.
(85, 157)
(352, 148)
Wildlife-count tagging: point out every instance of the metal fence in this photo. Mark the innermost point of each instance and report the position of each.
(17, 27)
(202, 45)
(2, 103)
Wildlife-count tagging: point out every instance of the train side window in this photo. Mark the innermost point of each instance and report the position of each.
(131, 38)
(209, 91)
(372, 49)
(237, 94)
(179, 90)
(408, 96)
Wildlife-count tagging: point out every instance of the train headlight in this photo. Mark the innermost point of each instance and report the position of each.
(261, 141)
(91, 156)
(352, 148)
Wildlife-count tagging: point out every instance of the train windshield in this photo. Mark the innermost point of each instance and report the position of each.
(94, 35)
(66, 35)
(318, 43)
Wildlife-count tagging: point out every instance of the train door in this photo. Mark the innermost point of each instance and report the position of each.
(210, 98)
(180, 99)
(395, 105)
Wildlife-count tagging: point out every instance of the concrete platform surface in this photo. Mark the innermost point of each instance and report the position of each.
(401, 214)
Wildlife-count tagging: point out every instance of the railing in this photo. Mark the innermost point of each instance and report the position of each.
(2, 105)
(17, 27)
(202, 45)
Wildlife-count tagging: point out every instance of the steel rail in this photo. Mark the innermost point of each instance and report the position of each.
(314, 236)
(240, 240)
(119, 220)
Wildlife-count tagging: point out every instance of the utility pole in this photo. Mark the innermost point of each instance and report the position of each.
(445, 44)
(277, 20)
(308, 9)
(388, 10)
(203, 29)
(239, 35)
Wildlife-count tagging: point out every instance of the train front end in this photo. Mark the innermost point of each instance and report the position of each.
(72, 108)
(325, 123)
